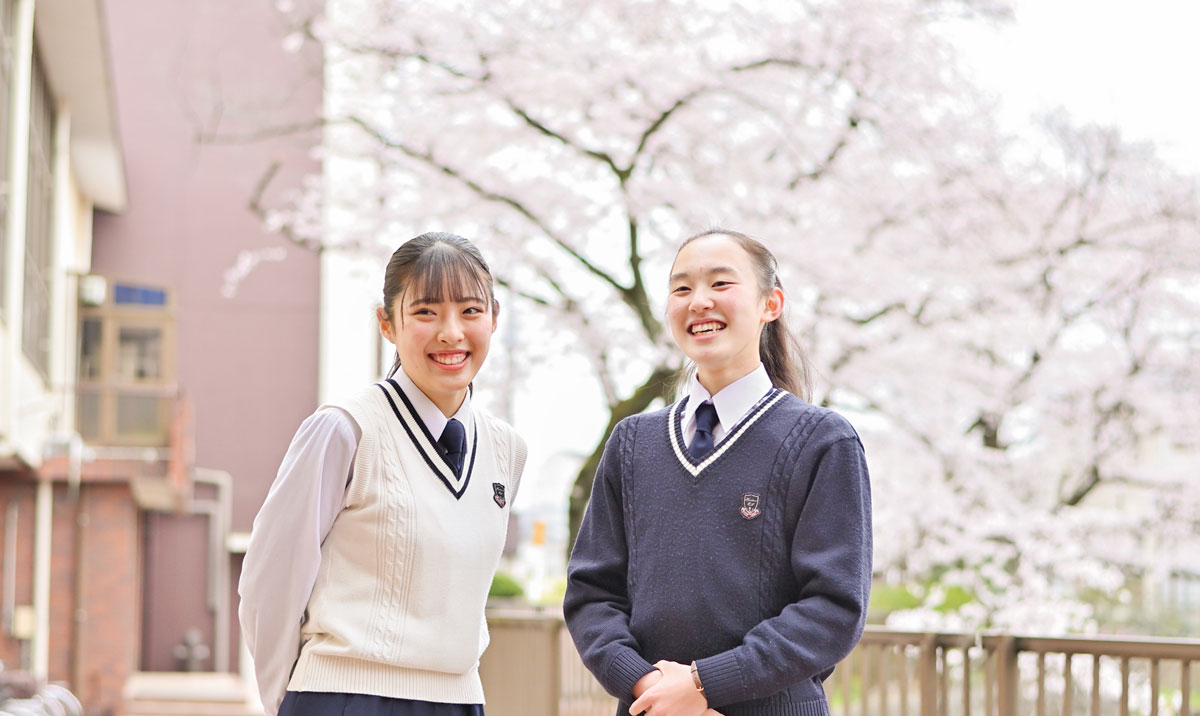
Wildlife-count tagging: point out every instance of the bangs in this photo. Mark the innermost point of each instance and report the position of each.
(447, 274)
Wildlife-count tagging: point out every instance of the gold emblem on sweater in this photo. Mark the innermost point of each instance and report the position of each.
(750, 506)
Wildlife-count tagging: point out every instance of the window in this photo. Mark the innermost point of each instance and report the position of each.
(39, 234)
(126, 388)
(89, 349)
(139, 354)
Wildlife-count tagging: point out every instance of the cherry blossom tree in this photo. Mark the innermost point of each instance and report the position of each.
(1032, 367)
(1010, 322)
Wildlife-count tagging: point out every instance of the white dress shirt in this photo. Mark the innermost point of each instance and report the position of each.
(300, 508)
(732, 402)
(429, 413)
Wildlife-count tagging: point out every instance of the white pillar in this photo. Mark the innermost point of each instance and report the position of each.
(64, 277)
(42, 532)
(18, 190)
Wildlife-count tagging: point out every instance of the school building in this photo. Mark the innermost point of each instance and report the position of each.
(158, 347)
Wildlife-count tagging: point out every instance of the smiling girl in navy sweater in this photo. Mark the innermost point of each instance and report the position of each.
(364, 582)
(724, 561)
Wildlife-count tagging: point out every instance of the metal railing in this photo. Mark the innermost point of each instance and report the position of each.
(532, 668)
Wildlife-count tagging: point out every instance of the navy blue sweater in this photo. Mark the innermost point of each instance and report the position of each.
(754, 561)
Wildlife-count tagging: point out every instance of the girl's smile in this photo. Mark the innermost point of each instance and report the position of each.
(705, 328)
(450, 360)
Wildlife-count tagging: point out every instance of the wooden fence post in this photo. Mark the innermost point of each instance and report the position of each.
(927, 672)
(1007, 676)
(522, 668)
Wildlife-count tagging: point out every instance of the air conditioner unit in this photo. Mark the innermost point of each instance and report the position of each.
(93, 290)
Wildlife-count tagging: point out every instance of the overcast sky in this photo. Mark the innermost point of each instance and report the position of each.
(1133, 64)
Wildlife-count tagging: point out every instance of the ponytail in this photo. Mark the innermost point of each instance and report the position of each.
(785, 359)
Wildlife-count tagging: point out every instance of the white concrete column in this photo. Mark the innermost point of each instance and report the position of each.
(64, 277)
(42, 533)
(18, 190)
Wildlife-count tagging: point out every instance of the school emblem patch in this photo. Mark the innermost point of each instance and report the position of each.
(498, 493)
(750, 506)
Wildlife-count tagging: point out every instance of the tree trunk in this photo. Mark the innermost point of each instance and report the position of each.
(659, 384)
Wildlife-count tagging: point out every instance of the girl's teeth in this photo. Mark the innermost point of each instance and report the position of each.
(451, 360)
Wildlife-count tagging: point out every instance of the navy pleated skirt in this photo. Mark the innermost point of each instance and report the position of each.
(311, 703)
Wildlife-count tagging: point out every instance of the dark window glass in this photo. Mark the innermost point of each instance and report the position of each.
(90, 347)
(139, 354)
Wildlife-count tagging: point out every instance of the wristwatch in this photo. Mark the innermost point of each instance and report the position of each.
(696, 678)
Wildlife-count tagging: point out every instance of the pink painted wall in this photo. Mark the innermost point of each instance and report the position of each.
(247, 363)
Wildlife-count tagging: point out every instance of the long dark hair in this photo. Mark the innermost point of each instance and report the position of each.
(433, 266)
(782, 355)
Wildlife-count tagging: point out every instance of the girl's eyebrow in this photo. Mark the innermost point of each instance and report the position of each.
(710, 271)
(432, 299)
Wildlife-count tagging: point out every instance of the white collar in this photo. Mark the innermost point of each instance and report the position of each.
(732, 402)
(430, 414)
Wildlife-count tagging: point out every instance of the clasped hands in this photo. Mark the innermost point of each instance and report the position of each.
(669, 691)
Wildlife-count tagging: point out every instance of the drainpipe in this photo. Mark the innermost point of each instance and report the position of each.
(42, 530)
(11, 515)
(220, 514)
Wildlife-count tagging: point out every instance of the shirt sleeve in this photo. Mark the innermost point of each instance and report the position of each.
(596, 604)
(831, 561)
(284, 553)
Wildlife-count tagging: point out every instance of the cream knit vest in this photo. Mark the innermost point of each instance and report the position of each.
(397, 608)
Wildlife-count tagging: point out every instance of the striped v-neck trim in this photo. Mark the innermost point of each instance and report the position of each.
(679, 447)
(426, 446)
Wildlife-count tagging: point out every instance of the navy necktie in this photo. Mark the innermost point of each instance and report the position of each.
(706, 420)
(453, 442)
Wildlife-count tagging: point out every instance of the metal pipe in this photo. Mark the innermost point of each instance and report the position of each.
(43, 526)
(220, 515)
(11, 516)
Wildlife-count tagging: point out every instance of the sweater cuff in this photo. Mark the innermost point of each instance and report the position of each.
(721, 676)
(625, 671)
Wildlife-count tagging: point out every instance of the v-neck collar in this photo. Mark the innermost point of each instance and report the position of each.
(425, 409)
(679, 447)
(732, 402)
(426, 445)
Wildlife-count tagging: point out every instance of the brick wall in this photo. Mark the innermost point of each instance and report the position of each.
(17, 491)
(95, 587)
(111, 572)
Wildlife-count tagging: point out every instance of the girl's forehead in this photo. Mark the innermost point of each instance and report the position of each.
(709, 254)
